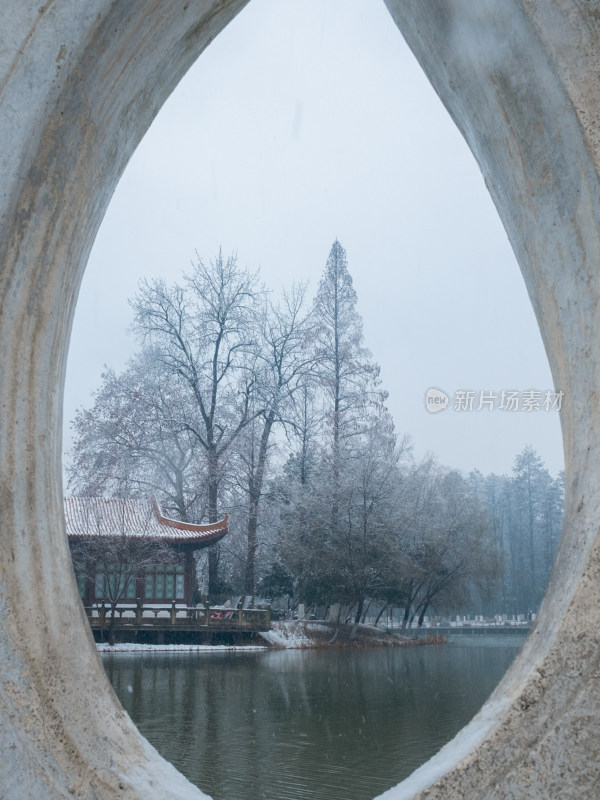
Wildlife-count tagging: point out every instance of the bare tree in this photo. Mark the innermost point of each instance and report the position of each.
(205, 335)
(113, 563)
(348, 562)
(283, 363)
(526, 511)
(131, 441)
(446, 541)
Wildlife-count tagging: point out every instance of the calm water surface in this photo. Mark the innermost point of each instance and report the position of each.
(325, 725)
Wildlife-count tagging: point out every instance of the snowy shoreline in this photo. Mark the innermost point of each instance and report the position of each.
(131, 647)
(303, 635)
(297, 635)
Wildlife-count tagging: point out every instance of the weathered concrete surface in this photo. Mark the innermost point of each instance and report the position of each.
(79, 84)
(521, 81)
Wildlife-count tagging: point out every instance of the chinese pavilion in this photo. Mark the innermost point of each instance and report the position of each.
(90, 521)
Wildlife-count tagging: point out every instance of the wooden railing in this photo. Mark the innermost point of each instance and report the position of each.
(177, 617)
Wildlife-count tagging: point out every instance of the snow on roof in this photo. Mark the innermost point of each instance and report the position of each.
(113, 516)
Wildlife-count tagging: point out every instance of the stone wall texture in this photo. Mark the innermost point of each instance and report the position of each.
(80, 83)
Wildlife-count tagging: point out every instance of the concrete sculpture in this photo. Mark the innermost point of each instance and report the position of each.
(79, 85)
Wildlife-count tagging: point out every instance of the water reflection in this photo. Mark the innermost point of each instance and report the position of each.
(306, 724)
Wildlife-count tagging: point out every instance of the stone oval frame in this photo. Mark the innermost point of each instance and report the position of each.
(79, 86)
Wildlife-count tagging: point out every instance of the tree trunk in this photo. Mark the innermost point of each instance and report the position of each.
(383, 608)
(213, 499)
(359, 609)
(365, 612)
(406, 616)
(255, 494)
(111, 627)
(252, 546)
(180, 497)
(357, 616)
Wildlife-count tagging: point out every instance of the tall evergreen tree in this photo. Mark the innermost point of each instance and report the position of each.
(347, 375)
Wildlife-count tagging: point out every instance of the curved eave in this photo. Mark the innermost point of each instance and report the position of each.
(102, 522)
(210, 528)
(199, 540)
(203, 540)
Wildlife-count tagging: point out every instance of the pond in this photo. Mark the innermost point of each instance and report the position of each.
(320, 724)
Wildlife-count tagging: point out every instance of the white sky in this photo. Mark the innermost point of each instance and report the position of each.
(307, 120)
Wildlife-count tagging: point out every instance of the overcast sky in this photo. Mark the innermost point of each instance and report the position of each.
(307, 120)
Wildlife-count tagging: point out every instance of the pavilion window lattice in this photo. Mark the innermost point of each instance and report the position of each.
(164, 582)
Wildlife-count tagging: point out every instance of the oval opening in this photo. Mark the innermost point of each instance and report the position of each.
(273, 146)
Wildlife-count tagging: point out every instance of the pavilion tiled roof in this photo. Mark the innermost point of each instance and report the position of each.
(87, 517)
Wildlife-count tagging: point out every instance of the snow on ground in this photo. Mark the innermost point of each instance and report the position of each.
(296, 635)
(283, 635)
(130, 647)
(302, 635)
(291, 635)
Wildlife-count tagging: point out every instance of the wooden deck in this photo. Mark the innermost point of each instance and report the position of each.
(200, 619)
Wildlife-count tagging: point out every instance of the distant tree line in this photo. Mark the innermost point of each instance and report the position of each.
(274, 412)
(526, 514)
